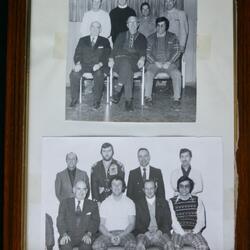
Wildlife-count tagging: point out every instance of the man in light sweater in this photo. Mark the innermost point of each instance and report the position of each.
(188, 217)
(186, 170)
(96, 14)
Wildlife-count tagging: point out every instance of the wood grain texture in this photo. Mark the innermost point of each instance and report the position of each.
(16, 126)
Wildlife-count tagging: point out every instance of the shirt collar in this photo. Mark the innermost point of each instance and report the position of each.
(122, 7)
(178, 197)
(150, 200)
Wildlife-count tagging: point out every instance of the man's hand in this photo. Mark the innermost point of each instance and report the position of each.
(115, 239)
(140, 246)
(189, 236)
(87, 238)
(97, 66)
(166, 65)
(141, 62)
(111, 62)
(77, 67)
(65, 239)
(158, 65)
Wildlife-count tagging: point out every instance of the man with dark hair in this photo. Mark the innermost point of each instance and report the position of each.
(186, 170)
(103, 171)
(119, 17)
(138, 176)
(163, 50)
(188, 217)
(117, 214)
(78, 220)
(153, 220)
(147, 21)
(127, 57)
(91, 56)
(66, 179)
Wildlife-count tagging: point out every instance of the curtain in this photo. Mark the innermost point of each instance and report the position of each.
(78, 7)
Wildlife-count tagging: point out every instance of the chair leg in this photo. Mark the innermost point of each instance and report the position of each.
(108, 91)
(183, 72)
(80, 92)
(111, 85)
(143, 86)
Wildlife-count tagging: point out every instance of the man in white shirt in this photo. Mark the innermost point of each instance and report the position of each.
(117, 214)
(186, 170)
(178, 23)
(78, 220)
(96, 14)
(188, 217)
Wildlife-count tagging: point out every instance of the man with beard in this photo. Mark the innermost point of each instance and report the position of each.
(188, 171)
(138, 176)
(103, 171)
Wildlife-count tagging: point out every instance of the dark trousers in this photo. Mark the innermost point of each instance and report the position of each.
(81, 246)
(125, 67)
(75, 78)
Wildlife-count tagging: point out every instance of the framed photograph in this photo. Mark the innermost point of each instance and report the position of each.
(210, 117)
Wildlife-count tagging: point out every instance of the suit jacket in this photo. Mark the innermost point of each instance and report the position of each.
(162, 214)
(63, 187)
(100, 186)
(136, 185)
(67, 218)
(87, 55)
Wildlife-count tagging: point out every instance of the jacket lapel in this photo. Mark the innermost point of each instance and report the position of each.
(67, 179)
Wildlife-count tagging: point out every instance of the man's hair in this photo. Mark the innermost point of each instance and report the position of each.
(185, 150)
(107, 145)
(87, 186)
(118, 178)
(133, 16)
(150, 180)
(142, 149)
(162, 19)
(145, 4)
(67, 155)
(185, 178)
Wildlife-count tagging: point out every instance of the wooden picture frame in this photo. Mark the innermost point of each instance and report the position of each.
(16, 125)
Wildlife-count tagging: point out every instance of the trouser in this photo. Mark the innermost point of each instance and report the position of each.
(75, 241)
(161, 242)
(125, 67)
(104, 242)
(198, 241)
(172, 71)
(75, 78)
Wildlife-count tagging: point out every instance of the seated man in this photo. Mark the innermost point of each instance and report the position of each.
(188, 217)
(147, 21)
(162, 53)
(117, 214)
(127, 57)
(153, 220)
(91, 55)
(78, 220)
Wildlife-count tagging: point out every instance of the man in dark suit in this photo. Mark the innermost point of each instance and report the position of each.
(127, 57)
(91, 56)
(153, 220)
(78, 220)
(66, 179)
(138, 176)
(103, 171)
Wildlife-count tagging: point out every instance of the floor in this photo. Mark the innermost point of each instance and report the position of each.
(162, 110)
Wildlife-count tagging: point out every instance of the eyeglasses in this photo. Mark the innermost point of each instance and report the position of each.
(161, 25)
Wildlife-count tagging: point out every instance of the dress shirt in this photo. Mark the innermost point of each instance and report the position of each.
(147, 171)
(81, 204)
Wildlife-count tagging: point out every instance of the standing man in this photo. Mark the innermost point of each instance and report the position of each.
(117, 214)
(103, 171)
(66, 179)
(127, 57)
(78, 220)
(188, 217)
(138, 176)
(91, 55)
(163, 51)
(99, 15)
(153, 220)
(147, 21)
(188, 171)
(178, 23)
(119, 17)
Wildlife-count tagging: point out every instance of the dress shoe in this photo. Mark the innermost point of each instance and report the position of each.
(177, 105)
(148, 101)
(116, 97)
(73, 104)
(129, 105)
(96, 105)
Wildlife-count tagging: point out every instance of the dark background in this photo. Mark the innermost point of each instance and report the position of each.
(13, 100)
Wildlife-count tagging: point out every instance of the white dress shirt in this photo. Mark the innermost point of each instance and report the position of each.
(147, 171)
(81, 204)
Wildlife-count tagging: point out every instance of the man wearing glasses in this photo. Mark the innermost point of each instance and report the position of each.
(163, 51)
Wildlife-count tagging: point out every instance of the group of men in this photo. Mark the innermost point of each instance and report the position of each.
(137, 220)
(156, 43)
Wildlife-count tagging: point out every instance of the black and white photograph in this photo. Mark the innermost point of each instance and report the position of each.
(131, 61)
(132, 193)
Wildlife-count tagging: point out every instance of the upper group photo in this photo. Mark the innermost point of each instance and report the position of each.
(131, 61)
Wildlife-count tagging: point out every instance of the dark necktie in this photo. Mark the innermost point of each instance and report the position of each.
(78, 214)
(78, 208)
(131, 41)
(93, 42)
(144, 176)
